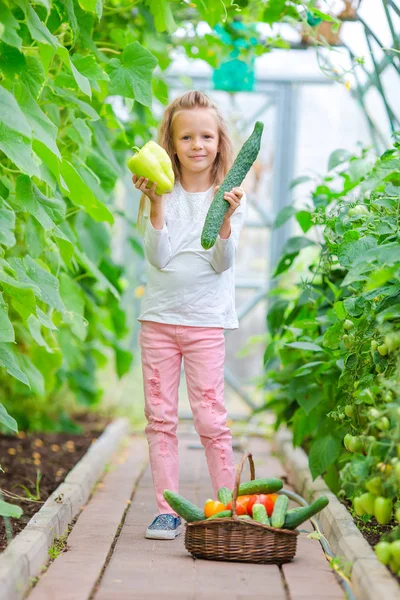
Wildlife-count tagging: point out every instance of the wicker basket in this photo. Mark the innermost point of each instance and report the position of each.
(241, 540)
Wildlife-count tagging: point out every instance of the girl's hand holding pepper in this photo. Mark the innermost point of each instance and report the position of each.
(141, 184)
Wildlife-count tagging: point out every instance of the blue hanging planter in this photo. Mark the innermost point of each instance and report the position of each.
(237, 73)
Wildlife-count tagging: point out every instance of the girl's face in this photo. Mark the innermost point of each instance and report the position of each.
(195, 137)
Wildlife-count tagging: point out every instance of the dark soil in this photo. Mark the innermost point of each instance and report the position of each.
(51, 455)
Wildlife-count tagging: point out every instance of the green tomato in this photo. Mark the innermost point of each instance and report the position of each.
(374, 485)
(352, 443)
(373, 413)
(358, 210)
(374, 345)
(398, 515)
(349, 410)
(347, 325)
(383, 552)
(383, 349)
(387, 396)
(383, 510)
(368, 502)
(358, 507)
(383, 424)
(395, 548)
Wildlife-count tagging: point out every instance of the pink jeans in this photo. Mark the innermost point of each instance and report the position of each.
(203, 350)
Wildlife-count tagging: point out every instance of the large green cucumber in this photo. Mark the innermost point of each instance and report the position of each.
(260, 486)
(224, 495)
(244, 160)
(297, 516)
(279, 511)
(183, 507)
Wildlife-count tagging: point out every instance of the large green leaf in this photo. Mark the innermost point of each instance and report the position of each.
(275, 315)
(16, 134)
(81, 80)
(6, 327)
(81, 194)
(30, 272)
(349, 252)
(9, 361)
(43, 129)
(212, 12)
(9, 34)
(8, 420)
(23, 300)
(323, 452)
(96, 273)
(48, 211)
(284, 215)
(34, 326)
(131, 76)
(74, 301)
(338, 157)
(35, 377)
(307, 395)
(94, 6)
(12, 61)
(333, 335)
(305, 346)
(37, 28)
(162, 15)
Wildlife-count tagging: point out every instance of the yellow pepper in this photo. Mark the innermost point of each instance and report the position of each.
(153, 163)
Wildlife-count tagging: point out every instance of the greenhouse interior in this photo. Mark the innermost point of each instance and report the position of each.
(199, 299)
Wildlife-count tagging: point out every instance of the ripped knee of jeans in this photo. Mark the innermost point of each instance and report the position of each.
(155, 390)
(158, 425)
(209, 399)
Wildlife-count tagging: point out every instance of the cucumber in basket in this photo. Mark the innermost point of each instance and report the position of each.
(224, 495)
(260, 486)
(224, 514)
(279, 512)
(260, 514)
(297, 516)
(183, 507)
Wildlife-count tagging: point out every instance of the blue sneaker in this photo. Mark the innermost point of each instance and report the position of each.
(164, 527)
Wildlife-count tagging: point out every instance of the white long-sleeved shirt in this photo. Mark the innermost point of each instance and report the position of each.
(188, 285)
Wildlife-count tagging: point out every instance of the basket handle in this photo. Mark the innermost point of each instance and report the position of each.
(239, 470)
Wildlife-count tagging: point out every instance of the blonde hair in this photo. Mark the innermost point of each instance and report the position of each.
(223, 161)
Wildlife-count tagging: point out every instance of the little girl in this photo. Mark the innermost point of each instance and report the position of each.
(189, 298)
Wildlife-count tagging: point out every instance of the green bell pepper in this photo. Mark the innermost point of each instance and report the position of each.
(153, 163)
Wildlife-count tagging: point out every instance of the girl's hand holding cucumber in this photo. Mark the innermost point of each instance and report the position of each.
(233, 197)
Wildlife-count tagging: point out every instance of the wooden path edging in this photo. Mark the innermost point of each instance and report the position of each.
(370, 578)
(25, 556)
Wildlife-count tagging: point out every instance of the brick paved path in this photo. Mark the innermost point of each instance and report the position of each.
(106, 562)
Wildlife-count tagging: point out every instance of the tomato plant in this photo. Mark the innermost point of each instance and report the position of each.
(333, 354)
